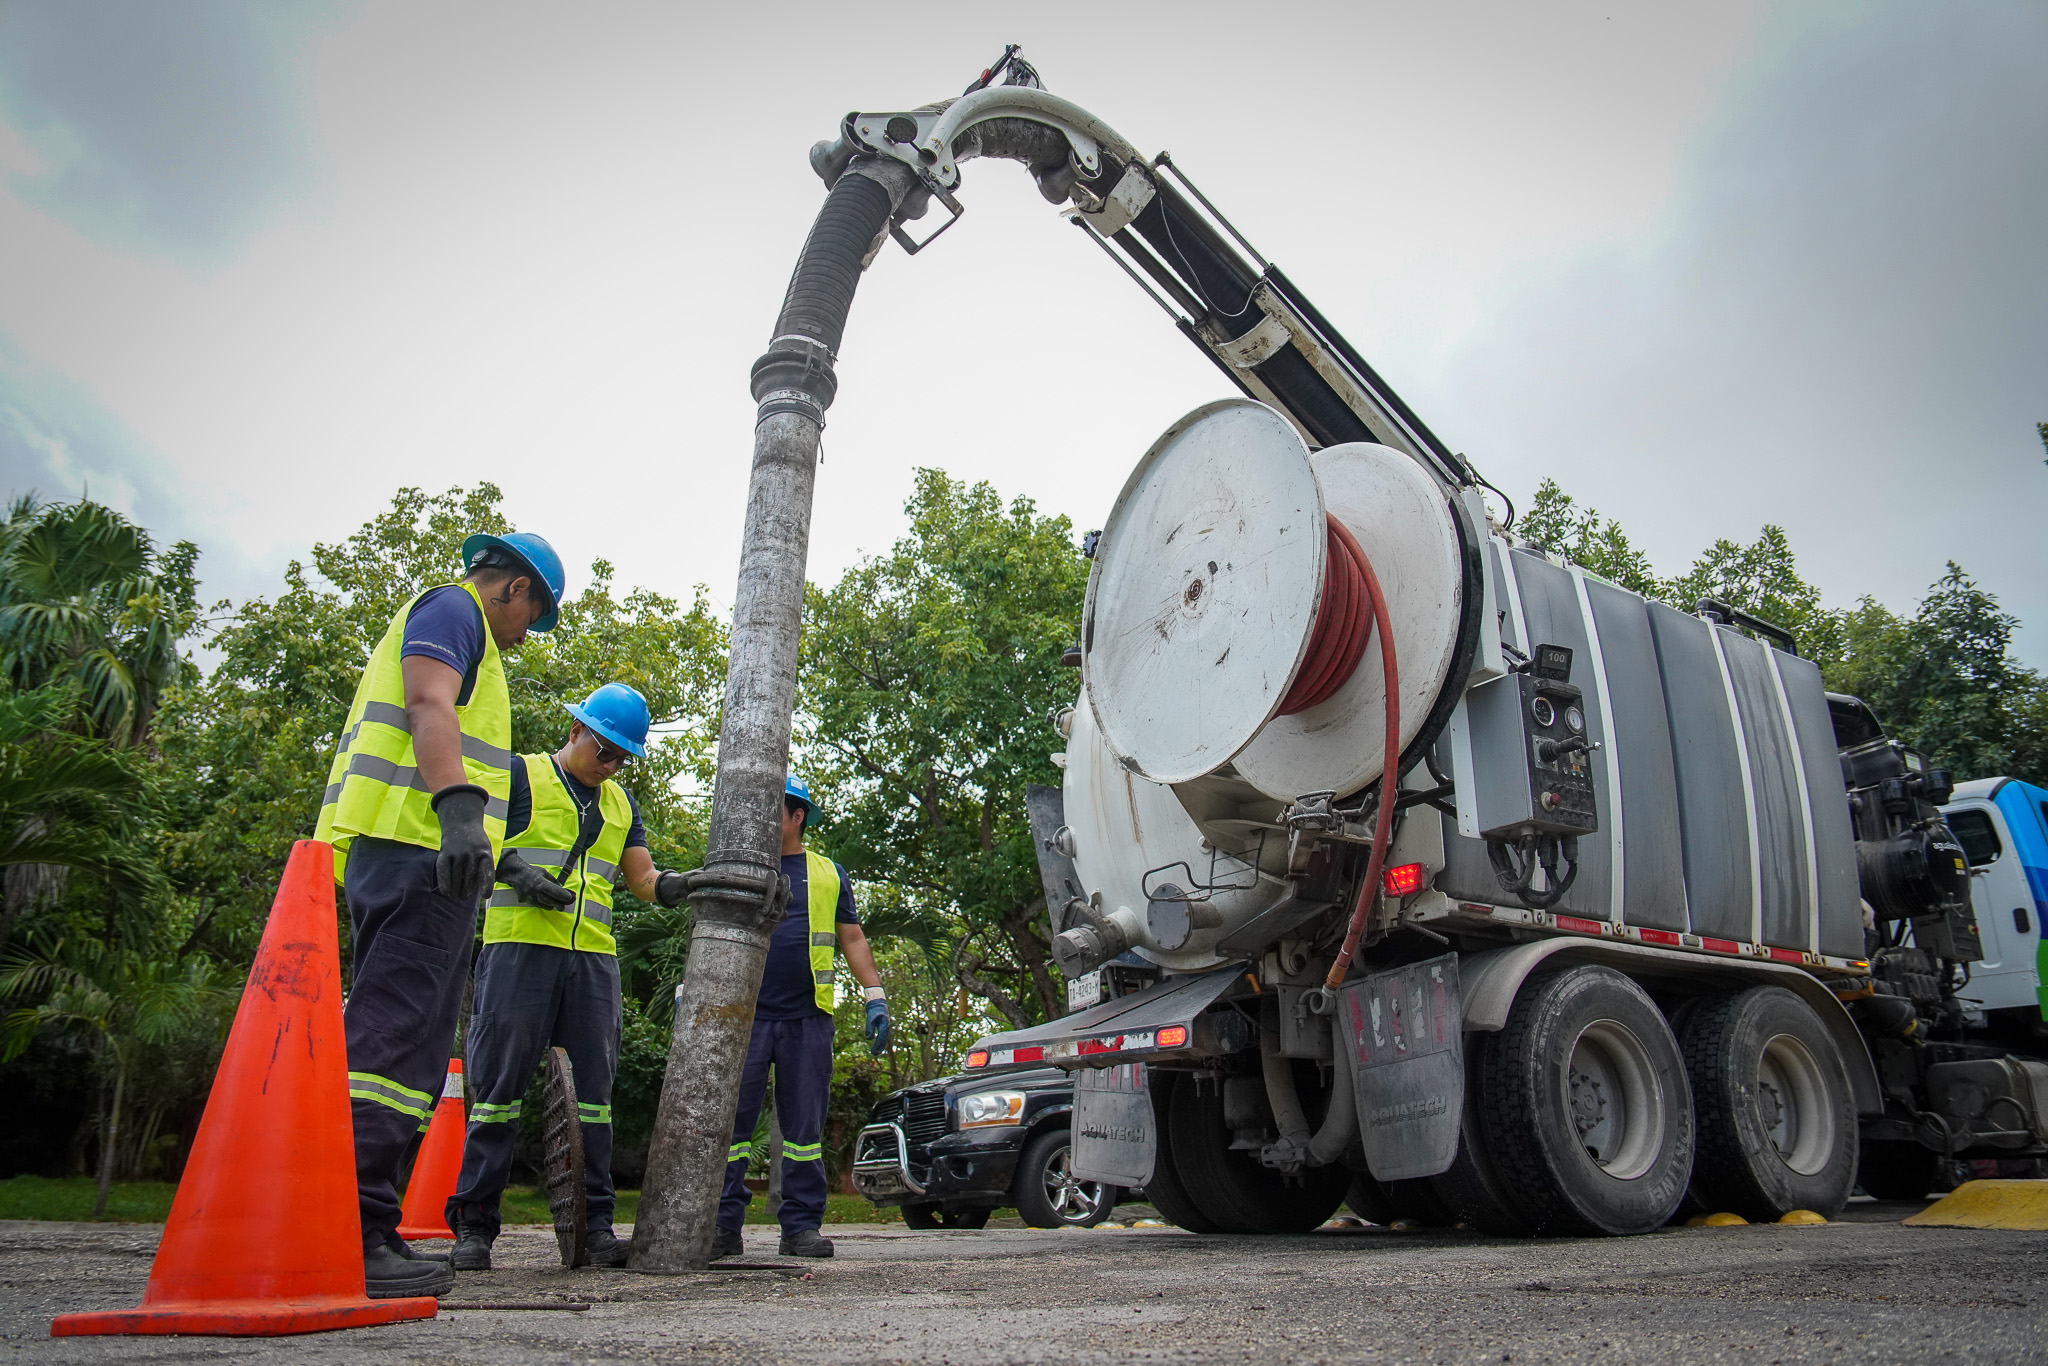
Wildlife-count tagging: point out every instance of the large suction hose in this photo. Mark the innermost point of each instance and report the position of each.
(732, 899)
(1340, 1119)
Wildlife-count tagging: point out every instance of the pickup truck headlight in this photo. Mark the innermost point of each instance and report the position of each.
(986, 1108)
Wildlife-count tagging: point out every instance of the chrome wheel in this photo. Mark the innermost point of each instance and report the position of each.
(1615, 1100)
(1073, 1200)
(1793, 1100)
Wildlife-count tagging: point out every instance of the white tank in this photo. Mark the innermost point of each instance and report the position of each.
(1201, 607)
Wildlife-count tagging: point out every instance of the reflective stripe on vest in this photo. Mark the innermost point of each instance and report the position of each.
(373, 785)
(823, 881)
(586, 922)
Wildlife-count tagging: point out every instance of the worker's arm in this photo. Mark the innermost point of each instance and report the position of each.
(853, 942)
(642, 877)
(431, 688)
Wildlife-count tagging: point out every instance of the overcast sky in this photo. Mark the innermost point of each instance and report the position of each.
(1710, 266)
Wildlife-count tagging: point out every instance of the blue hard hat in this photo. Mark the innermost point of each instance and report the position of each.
(533, 552)
(793, 786)
(616, 712)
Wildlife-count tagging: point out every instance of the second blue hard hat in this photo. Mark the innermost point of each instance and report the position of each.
(536, 554)
(793, 786)
(616, 712)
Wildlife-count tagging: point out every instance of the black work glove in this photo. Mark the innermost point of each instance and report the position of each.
(670, 888)
(463, 872)
(533, 886)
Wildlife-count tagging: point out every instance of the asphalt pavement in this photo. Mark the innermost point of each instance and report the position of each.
(1863, 1289)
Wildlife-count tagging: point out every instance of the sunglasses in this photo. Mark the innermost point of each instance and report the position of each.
(606, 753)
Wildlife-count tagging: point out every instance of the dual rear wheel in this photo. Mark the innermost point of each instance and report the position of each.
(1587, 1113)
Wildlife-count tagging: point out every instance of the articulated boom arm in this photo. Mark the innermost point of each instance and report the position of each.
(1237, 306)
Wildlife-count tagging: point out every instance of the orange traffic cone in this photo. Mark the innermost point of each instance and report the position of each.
(439, 1164)
(264, 1235)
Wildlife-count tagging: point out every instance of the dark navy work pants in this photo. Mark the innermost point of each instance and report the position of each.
(530, 998)
(411, 950)
(800, 1052)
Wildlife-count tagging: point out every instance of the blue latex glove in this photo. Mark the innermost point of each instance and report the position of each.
(878, 1027)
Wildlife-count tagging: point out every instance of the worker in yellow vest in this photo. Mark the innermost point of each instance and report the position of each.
(415, 809)
(548, 975)
(793, 1035)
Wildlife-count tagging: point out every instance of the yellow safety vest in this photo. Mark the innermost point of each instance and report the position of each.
(823, 881)
(546, 842)
(374, 787)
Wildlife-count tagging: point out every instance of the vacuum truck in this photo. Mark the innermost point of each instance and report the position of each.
(1400, 862)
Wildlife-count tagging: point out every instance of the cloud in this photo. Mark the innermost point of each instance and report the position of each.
(166, 128)
(57, 442)
(1840, 326)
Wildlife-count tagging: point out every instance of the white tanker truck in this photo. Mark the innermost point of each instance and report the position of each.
(1400, 863)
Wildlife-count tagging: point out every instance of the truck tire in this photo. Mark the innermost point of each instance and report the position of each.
(1231, 1187)
(1898, 1171)
(1367, 1199)
(1472, 1190)
(1777, 1126)
(1584, 1107)
(931, 1214)
(1165, 1191)
(1047, 1193)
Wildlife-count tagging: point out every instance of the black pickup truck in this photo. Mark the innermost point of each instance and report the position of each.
(953, 1150)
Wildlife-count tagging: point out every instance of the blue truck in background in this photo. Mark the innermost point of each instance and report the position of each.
(2003, 826)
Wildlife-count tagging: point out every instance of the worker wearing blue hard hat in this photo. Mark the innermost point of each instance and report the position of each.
(548, 974)
(793, 1036)
(415, 808)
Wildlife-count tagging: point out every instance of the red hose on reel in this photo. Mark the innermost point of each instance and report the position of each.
(1343, 623)
(1375, 601)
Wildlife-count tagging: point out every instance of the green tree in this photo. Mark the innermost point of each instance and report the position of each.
(89, 607)
(68, 801)
(122, 1000)
(86, 600)
(928, 678)
(1944, 680)
(1557, 523)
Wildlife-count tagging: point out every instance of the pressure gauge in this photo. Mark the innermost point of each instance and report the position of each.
(1540, 708)
(1575, 719)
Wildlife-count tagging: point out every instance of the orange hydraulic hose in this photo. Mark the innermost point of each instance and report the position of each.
(1390, 779)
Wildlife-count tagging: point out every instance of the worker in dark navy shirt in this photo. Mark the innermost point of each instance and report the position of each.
(793, 1035)
(414, 809)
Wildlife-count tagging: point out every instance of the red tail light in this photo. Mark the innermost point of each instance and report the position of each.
(978, 1058)
(1405, 880)
(1173, 1036)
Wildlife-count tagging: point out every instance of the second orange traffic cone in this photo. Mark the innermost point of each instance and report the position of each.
(264, 1235)
(439, 1164)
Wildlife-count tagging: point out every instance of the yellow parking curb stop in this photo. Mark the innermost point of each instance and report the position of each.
(1715, 1221)
(2010, 1204)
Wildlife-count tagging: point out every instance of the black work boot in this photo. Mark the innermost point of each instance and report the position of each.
(606, 1248)
(806, 1242)
(414, 1254)
(388, 1275)
(472, 1248)
(726, 1242)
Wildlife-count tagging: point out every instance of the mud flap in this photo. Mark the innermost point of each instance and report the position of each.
(1408, 1049)
(1116, 1137)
